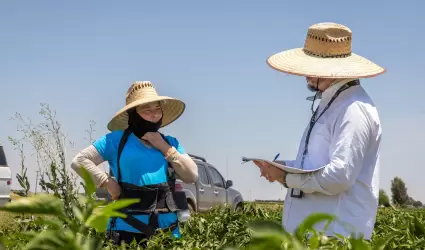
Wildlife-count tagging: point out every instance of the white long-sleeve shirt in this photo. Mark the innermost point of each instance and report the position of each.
(346, 141)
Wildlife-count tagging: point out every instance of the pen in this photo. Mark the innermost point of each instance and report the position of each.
(275, 158)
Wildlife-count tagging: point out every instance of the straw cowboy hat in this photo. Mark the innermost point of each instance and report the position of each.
(326, 54)
(141, 93)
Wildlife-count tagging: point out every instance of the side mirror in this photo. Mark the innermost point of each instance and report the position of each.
(229, 183)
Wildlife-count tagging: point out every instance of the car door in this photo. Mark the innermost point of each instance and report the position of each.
(205, 190)
(219, 189)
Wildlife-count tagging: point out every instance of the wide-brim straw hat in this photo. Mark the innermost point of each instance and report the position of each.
(142, 93)
(326, 54)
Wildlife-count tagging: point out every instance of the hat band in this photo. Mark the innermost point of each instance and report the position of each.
(311, 53)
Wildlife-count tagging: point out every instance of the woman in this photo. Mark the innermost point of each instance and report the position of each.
(143, 162)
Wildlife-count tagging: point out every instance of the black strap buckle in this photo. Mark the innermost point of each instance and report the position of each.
(297, 194)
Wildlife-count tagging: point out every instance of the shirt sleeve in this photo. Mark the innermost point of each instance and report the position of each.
(186, 169)
(175, 143)
(89, 158)
(348, 146)
(104, 145)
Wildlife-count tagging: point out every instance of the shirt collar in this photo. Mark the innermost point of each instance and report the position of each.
(329, 92)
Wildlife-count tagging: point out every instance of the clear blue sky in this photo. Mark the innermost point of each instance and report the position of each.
(81, 56)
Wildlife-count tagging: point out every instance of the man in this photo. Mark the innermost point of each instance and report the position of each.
(342, 140)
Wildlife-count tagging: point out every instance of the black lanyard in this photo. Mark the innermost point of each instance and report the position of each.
(313, 119)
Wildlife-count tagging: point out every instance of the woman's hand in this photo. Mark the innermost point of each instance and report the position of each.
(113, 188)
(156, 140)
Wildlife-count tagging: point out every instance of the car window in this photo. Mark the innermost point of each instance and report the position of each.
(3, 162)
(217, 180)
(203, 177)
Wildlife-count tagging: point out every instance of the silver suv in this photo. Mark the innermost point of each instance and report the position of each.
(210, 190)
(5, 179)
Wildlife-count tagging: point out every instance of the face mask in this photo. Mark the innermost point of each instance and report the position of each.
(140, 126)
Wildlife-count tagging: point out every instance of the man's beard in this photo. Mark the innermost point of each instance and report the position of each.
(313, 85)
(311, 88)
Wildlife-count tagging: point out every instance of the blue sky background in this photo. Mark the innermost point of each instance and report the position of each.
(81, 57)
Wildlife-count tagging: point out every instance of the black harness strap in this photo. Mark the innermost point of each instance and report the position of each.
(123, 141)
(142, 227)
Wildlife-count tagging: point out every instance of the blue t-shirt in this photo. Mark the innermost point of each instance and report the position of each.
(139, 165)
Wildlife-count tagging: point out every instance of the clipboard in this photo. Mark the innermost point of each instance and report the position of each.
(280, 166)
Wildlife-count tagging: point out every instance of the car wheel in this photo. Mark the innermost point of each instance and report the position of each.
(191, 206)
(239, 207)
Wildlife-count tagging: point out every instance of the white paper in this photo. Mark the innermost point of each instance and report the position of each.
(283, 167)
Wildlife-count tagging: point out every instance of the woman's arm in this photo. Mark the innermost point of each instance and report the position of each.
(89, 158)
(183, 164)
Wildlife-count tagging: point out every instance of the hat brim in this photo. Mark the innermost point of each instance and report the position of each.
(172, 109)
(297, 62)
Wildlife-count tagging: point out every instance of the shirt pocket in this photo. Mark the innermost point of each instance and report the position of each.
(319, 139)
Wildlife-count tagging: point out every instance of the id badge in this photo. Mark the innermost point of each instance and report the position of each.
(296, 193)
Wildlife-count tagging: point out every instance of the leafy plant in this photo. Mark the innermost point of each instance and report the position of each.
(22, 177)
(256, 227)
(47, 140)
(63, 232)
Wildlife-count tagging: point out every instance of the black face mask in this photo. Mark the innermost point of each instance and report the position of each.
(140, 126)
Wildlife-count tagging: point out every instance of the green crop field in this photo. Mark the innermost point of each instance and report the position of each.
(257, 226)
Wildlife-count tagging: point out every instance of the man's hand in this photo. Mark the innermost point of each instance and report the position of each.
(270, 172)
(156, 140)
(113, 188)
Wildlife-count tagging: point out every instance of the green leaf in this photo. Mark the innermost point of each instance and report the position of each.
(54, 224)
(78, 214)
(89, 186)
(419, 228)
(309, 222)
(92, 244)
(359, 243)
(98, 222)
(82, 199)
(268, 229)
(39, 204)
(46, 240)
(263, 226)
(382, 243)
(28, 234)
(314, 242)
(117, 214)
(119, 204)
